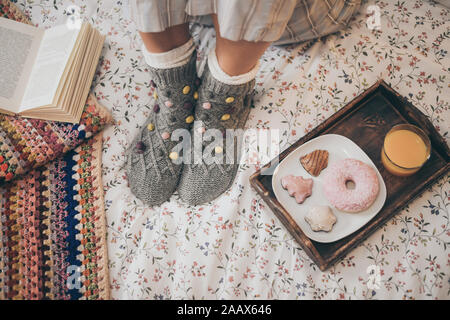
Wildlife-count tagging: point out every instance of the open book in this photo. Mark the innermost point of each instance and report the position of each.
(47, 74)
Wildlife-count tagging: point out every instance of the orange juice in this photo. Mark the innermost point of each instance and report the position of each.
(405, 150)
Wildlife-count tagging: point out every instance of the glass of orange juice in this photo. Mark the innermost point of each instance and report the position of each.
(405, 150)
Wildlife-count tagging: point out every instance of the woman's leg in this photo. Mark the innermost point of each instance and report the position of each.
(222, 109)
(169, 39)
(152, 167)
(237, 57)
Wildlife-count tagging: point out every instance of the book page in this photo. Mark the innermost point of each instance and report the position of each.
(53, 56)
(19, 47)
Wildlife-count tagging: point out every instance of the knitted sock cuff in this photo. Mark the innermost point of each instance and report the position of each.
(222, 76)
(219, 88)
(170, 59)
(181, 74)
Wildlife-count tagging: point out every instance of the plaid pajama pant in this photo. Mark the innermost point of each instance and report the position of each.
(279, 21)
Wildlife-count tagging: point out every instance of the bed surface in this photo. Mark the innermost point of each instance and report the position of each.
(234, 247)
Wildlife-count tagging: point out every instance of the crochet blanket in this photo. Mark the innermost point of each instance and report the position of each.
(52, 218)
(53, 230)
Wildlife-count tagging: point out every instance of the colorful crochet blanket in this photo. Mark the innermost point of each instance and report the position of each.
(52, 230)
(30, 143)
(52, 216)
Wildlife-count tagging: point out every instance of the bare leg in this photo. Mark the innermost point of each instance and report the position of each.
(237, 57)
(171, 38)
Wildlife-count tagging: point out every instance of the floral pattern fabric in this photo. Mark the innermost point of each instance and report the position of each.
(234, 247)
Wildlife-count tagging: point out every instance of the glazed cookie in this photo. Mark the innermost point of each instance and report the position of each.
(321, 218)
(315, 162)
(297, 187)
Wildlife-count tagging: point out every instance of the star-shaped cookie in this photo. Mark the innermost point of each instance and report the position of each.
(321, 218)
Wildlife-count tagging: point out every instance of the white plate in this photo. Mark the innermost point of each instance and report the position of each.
(339, 147)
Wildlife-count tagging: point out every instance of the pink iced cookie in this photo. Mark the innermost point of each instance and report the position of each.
(297, 187)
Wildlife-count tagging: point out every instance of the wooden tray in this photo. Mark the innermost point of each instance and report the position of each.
(365, 120)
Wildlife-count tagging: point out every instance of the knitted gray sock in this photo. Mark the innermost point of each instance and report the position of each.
(151, 171)
(220, 106)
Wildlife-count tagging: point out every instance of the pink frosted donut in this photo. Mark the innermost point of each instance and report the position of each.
(351, 200)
